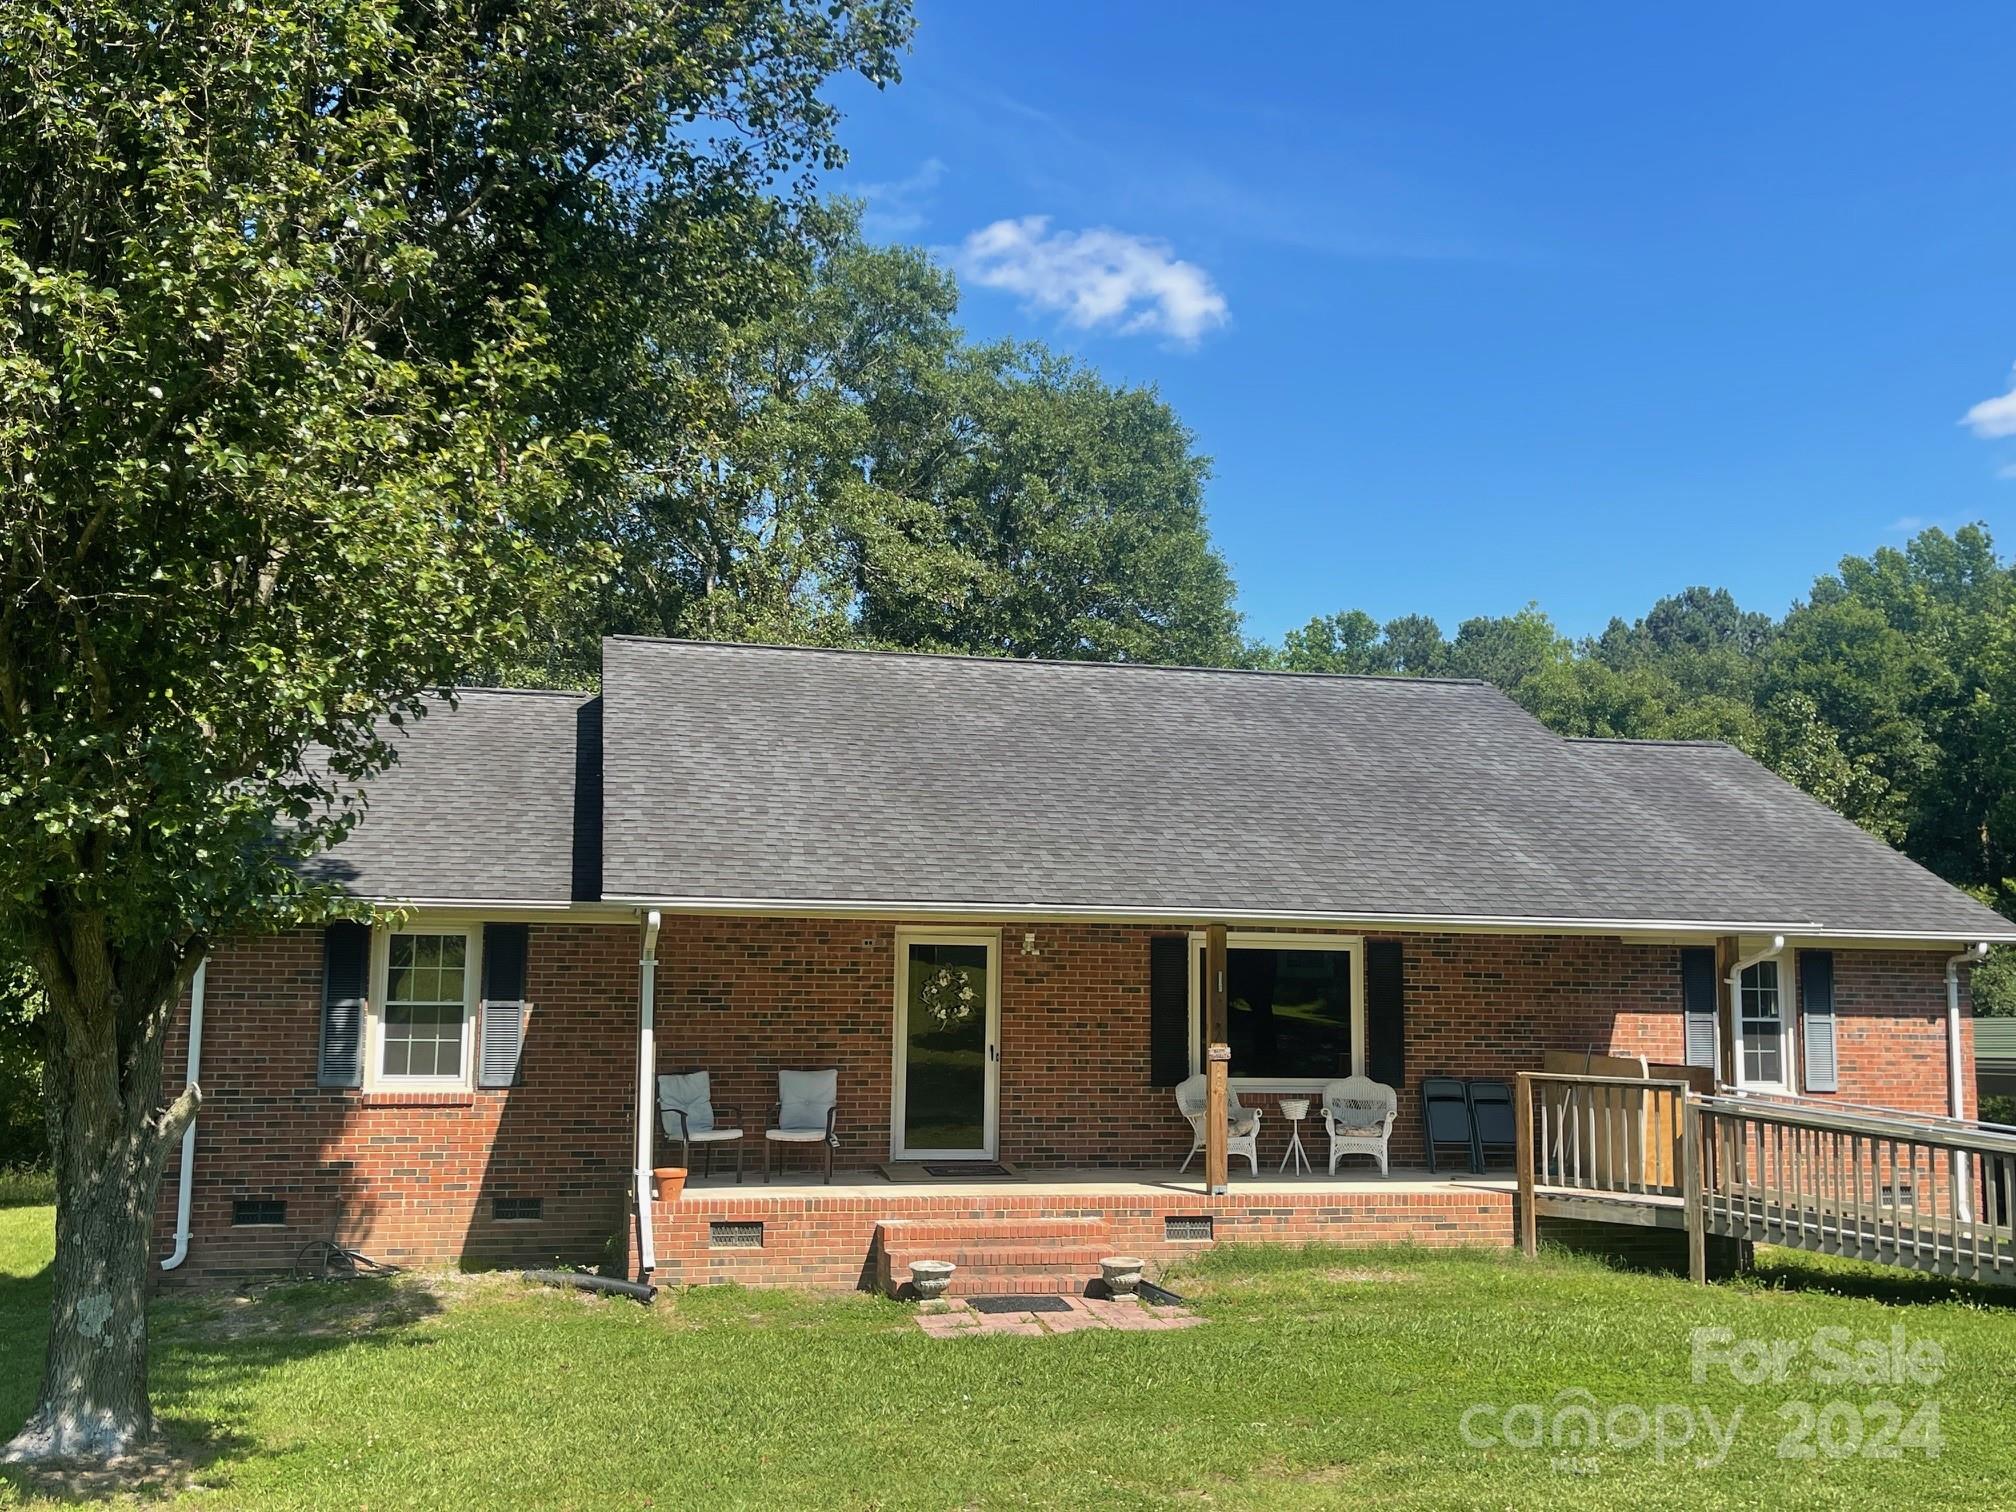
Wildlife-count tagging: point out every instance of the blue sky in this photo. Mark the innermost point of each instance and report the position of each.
(1475, 305)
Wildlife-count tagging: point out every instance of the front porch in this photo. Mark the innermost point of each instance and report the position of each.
(1041, 1231)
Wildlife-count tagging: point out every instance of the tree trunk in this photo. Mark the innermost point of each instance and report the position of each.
(94, 1381)
(102, 1082)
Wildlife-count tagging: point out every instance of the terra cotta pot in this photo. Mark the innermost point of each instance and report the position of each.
(667, 1182)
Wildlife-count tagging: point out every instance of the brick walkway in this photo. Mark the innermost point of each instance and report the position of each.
(954, 1319)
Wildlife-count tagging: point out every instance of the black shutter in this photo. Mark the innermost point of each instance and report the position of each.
(1168, 1010)
(1816, 1019)
(504, 948)
(1697, 1003)
(346, 971)
(1385, 1014)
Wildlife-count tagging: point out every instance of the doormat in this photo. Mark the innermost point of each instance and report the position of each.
(949, 1170)
(1019, 1304)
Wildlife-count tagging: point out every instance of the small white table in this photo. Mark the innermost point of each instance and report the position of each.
(1295, 1109)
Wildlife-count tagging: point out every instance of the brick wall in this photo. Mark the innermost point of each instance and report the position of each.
(410, 1178)
(1890, 1029)
(413, 1179)
(746, 997)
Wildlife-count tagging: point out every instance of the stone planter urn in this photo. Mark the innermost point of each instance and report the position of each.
(1121, 1273)
(929, 1278)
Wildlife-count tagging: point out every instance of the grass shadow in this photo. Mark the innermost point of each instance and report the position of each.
(1797, 1271)
(208, 1344)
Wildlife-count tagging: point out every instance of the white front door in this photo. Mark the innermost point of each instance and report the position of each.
(948, 1058)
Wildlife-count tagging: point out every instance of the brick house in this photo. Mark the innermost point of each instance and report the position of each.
(746, 859)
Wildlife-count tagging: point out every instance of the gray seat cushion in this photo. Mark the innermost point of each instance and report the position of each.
(690, 1094)
(805, 1099)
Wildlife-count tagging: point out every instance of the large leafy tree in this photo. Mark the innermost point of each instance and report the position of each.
(866, 476)
(1045, 513)
(315, 316)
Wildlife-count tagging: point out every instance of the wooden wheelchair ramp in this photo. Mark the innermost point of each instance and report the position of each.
(1927, 1194)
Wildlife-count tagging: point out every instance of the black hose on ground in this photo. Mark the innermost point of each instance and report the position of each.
(587, 1282)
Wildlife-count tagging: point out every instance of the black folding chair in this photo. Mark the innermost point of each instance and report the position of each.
(1445, 1119)
(1492, 1124)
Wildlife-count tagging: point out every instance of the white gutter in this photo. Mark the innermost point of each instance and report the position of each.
(647, 1101)
(186, 1186)
(894, 908)
(884, 908)
(1769, 953)
(1956, 1091)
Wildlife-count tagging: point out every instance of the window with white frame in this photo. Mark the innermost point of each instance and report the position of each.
(1764, 1016)
(1294, 1007)
(424, 1025)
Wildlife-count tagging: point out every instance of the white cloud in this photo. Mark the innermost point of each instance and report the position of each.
(897, 207)
(2007, 470)
(1094, 278)
(1994, 417)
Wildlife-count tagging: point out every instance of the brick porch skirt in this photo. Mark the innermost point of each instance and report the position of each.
(824, 1238)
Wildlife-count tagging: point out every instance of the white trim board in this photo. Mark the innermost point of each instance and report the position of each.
(990, 1116)
(1682, 930)
(1250, 939)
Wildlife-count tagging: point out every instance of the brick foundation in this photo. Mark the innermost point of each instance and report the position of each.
(811, 1239)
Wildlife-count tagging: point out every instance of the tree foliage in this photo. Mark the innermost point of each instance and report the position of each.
(866, 476)
(1888, 692)
(316, 317)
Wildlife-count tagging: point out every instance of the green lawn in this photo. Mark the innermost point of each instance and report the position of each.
(1324, 1379)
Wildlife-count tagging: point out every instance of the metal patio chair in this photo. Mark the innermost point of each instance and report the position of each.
(687, 1113)
(1445, 1119)
(1492, 1125)
(805, 1113)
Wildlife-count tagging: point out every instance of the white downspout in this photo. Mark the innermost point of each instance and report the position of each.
(1770, 952)
(186, 1186)
(1956, 1091)
(647, 1100)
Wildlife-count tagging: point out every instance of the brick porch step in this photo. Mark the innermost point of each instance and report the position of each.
(995, 1256)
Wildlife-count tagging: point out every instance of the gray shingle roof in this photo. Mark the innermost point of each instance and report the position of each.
(485, 804)
(766, 774)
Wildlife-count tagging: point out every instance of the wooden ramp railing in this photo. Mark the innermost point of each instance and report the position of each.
(1930, 1194)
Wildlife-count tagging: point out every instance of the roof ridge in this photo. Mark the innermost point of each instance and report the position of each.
(1644, 740)
(1399, 678)
(461, 688)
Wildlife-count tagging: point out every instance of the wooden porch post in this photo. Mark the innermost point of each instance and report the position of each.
(1217, 1065)
(1696, 1217)
(1522, 1137)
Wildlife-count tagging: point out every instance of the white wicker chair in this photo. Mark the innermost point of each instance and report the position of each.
(1358, 1115)
(1243, 1131)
